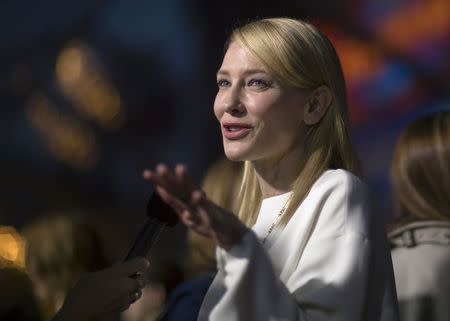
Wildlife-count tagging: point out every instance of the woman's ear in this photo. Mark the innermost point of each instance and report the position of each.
(317, 105)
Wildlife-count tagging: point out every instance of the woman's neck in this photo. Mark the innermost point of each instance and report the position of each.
(277, 177)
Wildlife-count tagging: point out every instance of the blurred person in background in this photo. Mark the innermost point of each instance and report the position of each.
(420, 237)
(306, 245)
(59, 248)
(221, 184)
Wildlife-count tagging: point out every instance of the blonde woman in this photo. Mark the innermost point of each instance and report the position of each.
(421, 238)
(305, 245)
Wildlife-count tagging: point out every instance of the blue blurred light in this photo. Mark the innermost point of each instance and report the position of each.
(395, 80)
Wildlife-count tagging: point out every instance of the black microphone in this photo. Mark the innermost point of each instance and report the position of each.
(159, 216)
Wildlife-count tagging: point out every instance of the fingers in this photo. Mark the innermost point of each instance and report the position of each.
(166, 176)
(136, 295)
(121, 304)
(183, 178)
(178, 190)
(147, 174)
(198, 197)
(107, 291)
(117, 291)
(131, 289)
(171, 200)
(140, 279)
(189, 218)
(174, 187)
(131, 294)
(161, 176)
(198, 202)
(176, 182)
(137, 265)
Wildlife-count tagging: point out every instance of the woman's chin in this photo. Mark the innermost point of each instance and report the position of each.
(234, 158)
(235, 155)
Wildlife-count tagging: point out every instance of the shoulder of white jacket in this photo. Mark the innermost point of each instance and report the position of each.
(346, 204)
(341, 178)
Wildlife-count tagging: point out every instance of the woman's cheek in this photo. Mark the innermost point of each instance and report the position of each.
(217, 111)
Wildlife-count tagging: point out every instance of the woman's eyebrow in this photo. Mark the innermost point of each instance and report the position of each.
(225, 72)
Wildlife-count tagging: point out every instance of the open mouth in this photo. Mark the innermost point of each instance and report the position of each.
(235, 131)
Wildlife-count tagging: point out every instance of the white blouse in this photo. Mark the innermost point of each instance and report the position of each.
(330, 262)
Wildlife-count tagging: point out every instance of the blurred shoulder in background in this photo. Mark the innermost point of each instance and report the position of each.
(420, 236)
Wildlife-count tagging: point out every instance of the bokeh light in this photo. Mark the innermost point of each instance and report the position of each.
(92, 94)
(12, 247)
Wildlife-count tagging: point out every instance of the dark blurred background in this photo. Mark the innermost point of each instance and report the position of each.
(92, 92)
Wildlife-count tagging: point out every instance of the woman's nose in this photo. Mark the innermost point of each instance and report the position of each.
(232, 102)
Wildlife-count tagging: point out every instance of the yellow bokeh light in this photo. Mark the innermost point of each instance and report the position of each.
(12, 246)
(69, 65)
(69, 140)
(83, 82)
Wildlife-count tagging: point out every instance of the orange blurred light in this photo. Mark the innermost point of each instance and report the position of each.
(359, 59)
(414, 23)
(92, 94)
(12, 247)
(68, 139)
(69, 66)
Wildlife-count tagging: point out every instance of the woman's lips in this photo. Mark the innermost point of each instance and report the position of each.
(235, 131)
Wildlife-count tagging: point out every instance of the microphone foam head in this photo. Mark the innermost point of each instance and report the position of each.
(158, 209)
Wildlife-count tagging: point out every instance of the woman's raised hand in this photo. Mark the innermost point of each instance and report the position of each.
(178, 190)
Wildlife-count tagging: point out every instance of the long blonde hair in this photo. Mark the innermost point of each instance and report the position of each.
(298, 55)
(421, 170)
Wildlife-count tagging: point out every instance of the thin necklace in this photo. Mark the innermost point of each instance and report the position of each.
(280, 214)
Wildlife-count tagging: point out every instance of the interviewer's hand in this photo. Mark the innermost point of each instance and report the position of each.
(103, 294)
(194, 209)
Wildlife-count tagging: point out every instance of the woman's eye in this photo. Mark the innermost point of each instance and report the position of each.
(259, 83)
(223, 83)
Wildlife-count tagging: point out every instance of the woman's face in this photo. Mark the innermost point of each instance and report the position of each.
(260, 119)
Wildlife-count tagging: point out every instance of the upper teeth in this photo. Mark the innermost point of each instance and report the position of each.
(232, 129)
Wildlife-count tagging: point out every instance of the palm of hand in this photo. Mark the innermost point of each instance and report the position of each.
(193, 208)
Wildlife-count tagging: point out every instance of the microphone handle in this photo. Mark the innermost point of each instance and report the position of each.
(146, 238)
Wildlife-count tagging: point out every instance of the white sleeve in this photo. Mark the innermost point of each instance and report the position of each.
(344, 272)
(334, 291)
